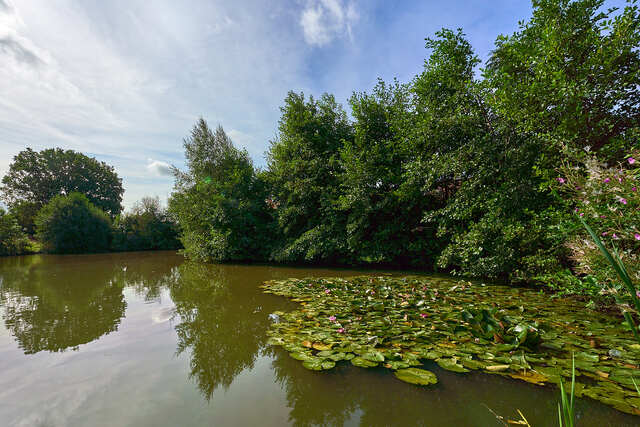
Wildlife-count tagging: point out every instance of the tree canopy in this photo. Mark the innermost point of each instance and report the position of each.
(38, 176)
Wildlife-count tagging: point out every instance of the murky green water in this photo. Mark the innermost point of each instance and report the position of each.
(146, 339)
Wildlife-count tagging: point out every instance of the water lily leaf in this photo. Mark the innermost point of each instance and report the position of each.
(396, 364)
(301, 356)
(497, 368)
(416, 376)
(321, 346)
(374, 356)
(363, 363)
(532, 377)
(451, 365)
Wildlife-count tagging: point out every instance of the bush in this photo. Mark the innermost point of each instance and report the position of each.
(607, 199)
(71, 224)
(146, 227)
(13, 241)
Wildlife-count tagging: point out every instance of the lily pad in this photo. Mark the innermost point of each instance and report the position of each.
(416, 376)
(363, 363)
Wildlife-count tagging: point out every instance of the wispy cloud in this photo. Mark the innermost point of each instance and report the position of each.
(324, 20)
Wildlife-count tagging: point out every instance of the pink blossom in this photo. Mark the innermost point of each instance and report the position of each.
(423, 315)
(603, 216)
(619, 179)
(615, 236)
(623, 200)
(637, 236)
(560, 180)
(631, 160)
(604, 234)
(327, 291)
(606, 180)
(341, 330)
(581, 213)
(634, 189)
(332, 318)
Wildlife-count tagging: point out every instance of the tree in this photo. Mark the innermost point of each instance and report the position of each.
(492, 212)
(13, 241)
(304, 171)
(572, 73)
(383, 223)
(147, 227)
(37, 177)
(219, 202)
(71, 224)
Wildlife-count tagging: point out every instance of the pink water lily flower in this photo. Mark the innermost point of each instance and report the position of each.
(332, 318)
(631, 160)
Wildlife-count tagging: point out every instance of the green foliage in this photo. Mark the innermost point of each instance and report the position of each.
(304, 171)
(566, 415)
(219, 202)
(13, 241)
(37, 177)
(493, 217)
(623, 275)
(383, 223)
(72, 224)
(608, 199)
(454, 170)
(146, 227)
(571, 73)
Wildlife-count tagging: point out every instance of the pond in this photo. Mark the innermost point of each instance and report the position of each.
(147, 339)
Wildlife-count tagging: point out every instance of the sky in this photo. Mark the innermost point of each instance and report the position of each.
(124, 81)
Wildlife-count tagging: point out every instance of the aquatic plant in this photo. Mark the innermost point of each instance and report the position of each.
(566, 415)
(621, 271)
(400, 323)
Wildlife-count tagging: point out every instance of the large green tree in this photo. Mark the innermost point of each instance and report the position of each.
(304, 171)
(492, 215)
(38, 176)
(219, 202)
(383, 223)
(571, 73)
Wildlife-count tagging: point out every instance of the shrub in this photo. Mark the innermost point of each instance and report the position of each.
(71, 224)
(146, 227)
(607, 198)
(13, 241)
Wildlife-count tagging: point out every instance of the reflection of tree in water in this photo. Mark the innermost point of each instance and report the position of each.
(222, 324)
(55, 303)
(334, 397)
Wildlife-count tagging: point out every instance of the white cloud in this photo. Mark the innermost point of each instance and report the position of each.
(159, 167)
(324, 20)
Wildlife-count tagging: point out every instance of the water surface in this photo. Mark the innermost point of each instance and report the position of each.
(147, 339)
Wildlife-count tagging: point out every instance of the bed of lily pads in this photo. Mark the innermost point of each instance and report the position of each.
(400, 322)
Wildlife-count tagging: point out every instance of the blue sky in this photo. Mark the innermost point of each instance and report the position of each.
(125, 80)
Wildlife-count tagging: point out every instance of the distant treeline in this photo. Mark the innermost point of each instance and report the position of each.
(462, 169)
(61, 201)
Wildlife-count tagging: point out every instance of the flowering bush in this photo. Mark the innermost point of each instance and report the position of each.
(607, 199)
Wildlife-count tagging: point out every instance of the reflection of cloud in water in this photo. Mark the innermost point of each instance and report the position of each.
(163, 314)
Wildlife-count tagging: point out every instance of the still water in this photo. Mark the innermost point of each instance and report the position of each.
(147, 339)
